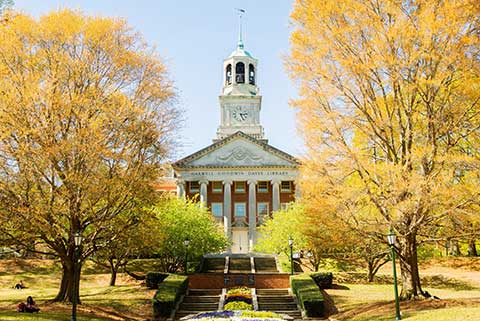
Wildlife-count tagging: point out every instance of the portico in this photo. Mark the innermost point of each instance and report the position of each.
(240, 197)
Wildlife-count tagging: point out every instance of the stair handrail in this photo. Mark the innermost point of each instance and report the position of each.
(221, 301)
(254, 299)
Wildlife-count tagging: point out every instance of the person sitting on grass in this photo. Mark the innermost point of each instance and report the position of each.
(19, 285)
(30, 306)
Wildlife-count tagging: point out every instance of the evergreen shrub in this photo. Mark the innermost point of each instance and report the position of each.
(324, 280)
(153, 279)
(168, 293)
(308, 294)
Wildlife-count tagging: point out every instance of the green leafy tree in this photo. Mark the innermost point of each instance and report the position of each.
(179, 220)
(275, 231)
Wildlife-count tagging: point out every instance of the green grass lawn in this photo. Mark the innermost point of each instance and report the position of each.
(42, 278)
(15, 316)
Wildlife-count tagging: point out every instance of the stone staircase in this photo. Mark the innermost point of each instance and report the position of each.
(265, 264)
(278, 300)
(213, 265)
(198, 300)
(239, 265)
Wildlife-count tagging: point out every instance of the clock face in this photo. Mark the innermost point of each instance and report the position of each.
(240, 114)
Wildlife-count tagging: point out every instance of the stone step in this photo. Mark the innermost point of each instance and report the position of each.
(265, 265)
(201, 299)
(239, 264)
(269, 296)
(182, 313)
(199, 306)
(276, 306)
(272, 292)
(204, 292)
(213, 265)
(275, 301)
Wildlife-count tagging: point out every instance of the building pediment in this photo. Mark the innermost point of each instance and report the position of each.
(238, 150)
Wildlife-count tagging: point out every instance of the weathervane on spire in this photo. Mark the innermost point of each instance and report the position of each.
(240, 14)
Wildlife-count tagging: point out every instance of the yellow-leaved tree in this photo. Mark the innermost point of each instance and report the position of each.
(87, 116)
(389, 108)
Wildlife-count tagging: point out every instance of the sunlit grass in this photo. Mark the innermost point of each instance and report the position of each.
(42, 278)
(60, 316)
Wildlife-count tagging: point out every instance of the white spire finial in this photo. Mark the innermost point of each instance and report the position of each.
(240, 14)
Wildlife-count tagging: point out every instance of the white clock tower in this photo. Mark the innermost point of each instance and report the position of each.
(240, 101)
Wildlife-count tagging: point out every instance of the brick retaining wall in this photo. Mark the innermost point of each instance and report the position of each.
(220, 280)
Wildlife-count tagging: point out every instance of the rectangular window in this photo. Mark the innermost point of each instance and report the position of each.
(240, 187)
(194, 187)
(262, 209)
(217, 187)
(217, 209)
(262, 212)
(284, 206)
(240, 209)
(286, 186)
(262, 187)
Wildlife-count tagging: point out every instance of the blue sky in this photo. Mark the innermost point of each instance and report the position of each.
(194, 37)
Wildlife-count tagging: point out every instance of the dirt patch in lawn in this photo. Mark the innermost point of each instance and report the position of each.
(382, 308)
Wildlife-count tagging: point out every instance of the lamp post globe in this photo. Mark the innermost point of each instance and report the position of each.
(391, 237)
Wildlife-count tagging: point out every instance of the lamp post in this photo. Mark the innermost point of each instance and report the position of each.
(77, 238)
(290, 243)
(186, 243)
(391, 237)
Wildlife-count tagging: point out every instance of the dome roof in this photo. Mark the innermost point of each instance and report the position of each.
(240, 52)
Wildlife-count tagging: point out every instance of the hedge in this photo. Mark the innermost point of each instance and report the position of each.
(153, 279)
(168, 293)
(324, 280)
(308, 294)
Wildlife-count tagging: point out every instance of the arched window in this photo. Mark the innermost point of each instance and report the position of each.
(228, 74)
(240, 73)
(251, 74)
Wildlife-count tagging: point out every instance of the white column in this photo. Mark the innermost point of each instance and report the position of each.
(252, 213)
(203, 193)
(181, 188)
(227, 208)
(275, 195)
(297, 191)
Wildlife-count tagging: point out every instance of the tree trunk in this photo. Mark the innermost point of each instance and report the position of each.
(472, 248)
(370, 273)
(113, 272)
(455, 248)
(65, 293)
(411, 288)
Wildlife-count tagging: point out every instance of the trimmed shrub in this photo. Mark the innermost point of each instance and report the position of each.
(324, 280)
(168, 293)
(153, 279)
(308, 294)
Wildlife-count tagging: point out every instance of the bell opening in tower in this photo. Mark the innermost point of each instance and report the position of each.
(240, 73)
(251, 74)
(228, 75)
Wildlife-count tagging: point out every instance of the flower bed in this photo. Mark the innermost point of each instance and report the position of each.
(238, 305)
(239, 298)
(236, 316)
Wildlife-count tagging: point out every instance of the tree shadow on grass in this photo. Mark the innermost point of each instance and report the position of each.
(442, 282)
